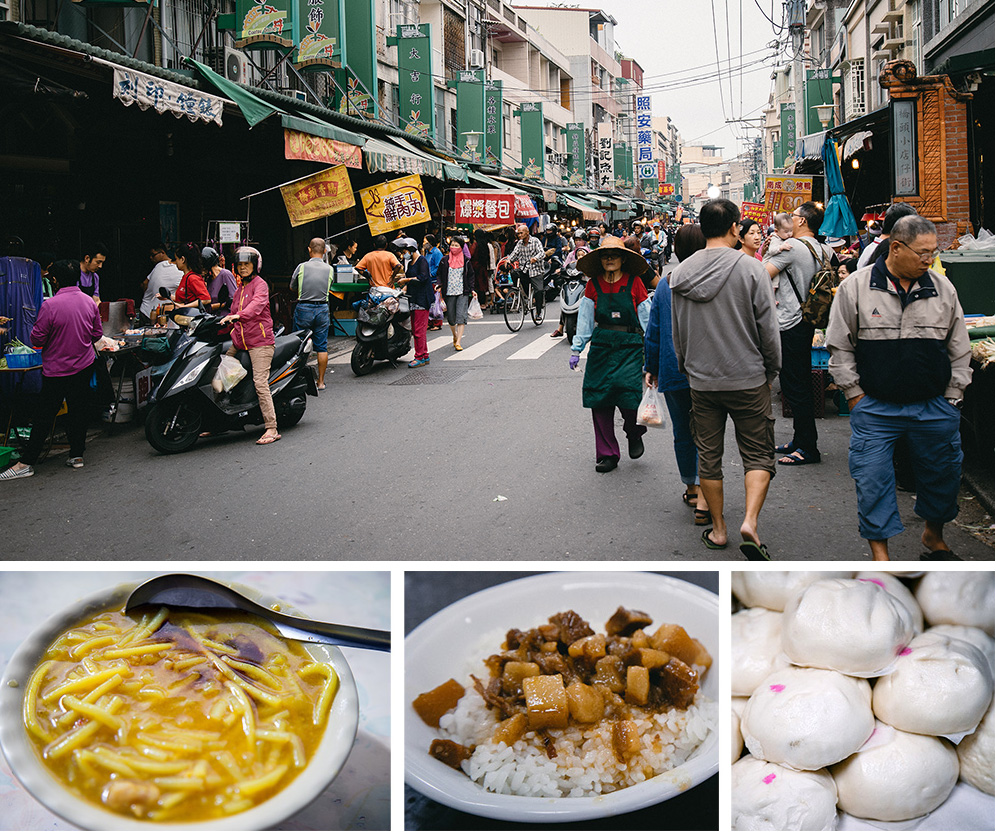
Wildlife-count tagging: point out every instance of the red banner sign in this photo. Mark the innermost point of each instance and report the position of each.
(485, 208)
(524, 207)
(661, 170)
(754, 211)
(666, 189)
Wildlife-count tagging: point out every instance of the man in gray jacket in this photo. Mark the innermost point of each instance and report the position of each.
(726, 341)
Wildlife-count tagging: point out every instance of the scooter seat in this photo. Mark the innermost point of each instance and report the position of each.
(285, 349)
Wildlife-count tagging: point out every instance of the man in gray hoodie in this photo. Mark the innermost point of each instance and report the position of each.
(726, 341)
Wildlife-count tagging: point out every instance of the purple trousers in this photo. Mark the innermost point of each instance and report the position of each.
(603, 419)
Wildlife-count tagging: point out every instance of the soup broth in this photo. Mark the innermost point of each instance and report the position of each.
(177, 716)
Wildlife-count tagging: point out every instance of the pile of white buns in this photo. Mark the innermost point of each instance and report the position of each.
(868, 693)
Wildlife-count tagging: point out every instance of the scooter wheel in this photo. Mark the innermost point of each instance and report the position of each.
(173, 427)
(362, 359)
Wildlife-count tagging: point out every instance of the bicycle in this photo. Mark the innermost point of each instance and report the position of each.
(516, 300)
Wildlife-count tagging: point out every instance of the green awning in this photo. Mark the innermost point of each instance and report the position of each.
(314, 127)
(254, 108)
(588, 211)
(451, 170)
(493, 183)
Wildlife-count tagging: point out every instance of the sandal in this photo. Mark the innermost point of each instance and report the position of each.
(800, 457)
(754, 551)
(710, 543)
(702, 517)
(268, 440)
(690, 500)
(787, 448)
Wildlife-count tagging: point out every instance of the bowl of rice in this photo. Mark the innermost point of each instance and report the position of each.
(320, 770)
(585, 779)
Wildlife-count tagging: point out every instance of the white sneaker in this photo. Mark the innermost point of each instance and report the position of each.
(74, 462)
(11, 474)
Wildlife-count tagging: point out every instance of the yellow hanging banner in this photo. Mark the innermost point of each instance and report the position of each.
(395, 204)
(318, 196)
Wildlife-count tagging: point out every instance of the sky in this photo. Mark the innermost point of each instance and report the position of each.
(674, 42)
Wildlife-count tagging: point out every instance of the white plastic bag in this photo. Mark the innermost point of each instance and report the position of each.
(651, 409)
(230, 372)
(474, 310)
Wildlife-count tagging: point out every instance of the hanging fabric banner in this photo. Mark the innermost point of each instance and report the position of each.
(606, 172)
(493, 132)
(470, 113)
(132, 87)
(786, 193)
(320, 47)
(665, 189)
(395, 204)
(484, 208)
(623, 160)
(533, 144)
(325, 193)
(310, 148)
(416, 91)
(575, 154)
(260, 25)
(525, 208)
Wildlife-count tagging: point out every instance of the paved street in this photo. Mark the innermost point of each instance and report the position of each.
(413, 465)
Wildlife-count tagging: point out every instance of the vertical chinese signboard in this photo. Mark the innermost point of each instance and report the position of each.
(606, 173)
(905, 181)
(321, 42)
(358, 79)
(623, 165)
(418, 103)
(484, 208)
(575, 154)
(645, 140)
(533, 145)
(493, 131)
(470, 111)
(788, 133)
(395, 204)
(259, 25)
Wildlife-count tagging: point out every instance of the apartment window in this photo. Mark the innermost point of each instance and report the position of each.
(401, 13)
(916, 34)
(950, 9)
(854, 89)
(454, 42)
(475, 27)
(4, 9)
(565, 93)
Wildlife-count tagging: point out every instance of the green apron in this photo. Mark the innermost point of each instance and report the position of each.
(613, 376)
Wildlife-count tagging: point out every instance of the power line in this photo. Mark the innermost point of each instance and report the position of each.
(715, 40)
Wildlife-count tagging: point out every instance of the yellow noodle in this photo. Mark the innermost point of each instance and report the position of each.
(152, 692)
(218, 647)
(90, 645)
(155, 767)
(261, 695)
(96, 713)
(30, 702)
(142, 650)
(170, 743)
(75, 738)
(237, 806)
(195, 784)
(85, 683)
(227, 761)
(146, 630)
(298, 752)
(324, 703)
(265, 782)
(171, 800)
(253, 671)
(108, 760)
(183, 664)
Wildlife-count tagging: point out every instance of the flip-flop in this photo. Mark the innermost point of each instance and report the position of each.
(754, 551)
(702, 517)
(802, 459)
(268, 440)
(709, 542)
(689, 500)
(787, 448)
(940, 554)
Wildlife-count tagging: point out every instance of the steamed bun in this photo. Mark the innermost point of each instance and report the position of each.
(769, 796)
(973, 635)
(975, 754)
(898, 590)
(807, 718)
(756, 648)
(736, 738)
(898, 776)
(851, 626)
(773, 589)
(940, 686)
(958, 598)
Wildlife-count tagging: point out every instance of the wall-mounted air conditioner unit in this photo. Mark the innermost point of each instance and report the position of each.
(236, 66)
(476, 59)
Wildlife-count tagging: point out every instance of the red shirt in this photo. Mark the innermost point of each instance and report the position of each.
(639, 290)
(192, 289)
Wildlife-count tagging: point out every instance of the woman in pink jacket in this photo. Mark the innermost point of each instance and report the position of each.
(252, 330)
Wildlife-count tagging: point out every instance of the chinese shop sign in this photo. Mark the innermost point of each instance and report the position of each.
(493, 133)
(644, 137)
(904, 155)
(417, 96)
(484, 208)
(261, 25)
(575, 154)
(786, 193)
(787, 120)
(470, 112)
(318, 196)
(533, 144)
(666, 189)
(310, 148)
(321, 42)
(754, 211)
(524, 207)
(606, 168)
(395, 204)
(132, 87)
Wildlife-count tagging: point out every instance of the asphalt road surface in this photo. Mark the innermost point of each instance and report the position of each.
(485, 454)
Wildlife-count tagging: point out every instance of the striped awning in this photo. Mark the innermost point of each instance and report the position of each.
(588, 211)
(381, 157)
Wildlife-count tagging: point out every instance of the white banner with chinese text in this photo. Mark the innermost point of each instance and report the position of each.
(147, 91)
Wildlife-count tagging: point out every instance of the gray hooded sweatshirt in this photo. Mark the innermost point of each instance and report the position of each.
(723, 321)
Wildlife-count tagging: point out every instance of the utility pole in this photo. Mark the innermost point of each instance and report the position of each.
(797, 31)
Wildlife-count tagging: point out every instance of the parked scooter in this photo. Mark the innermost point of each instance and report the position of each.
(383, 329)
(188, 400)
(571, 292)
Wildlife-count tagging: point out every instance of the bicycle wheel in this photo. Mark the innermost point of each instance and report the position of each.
(515, 310)
(541, 314)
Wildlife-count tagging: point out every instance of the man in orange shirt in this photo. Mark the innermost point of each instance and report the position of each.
(380, 265)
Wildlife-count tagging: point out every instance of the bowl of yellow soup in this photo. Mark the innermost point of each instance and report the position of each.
(168, 719)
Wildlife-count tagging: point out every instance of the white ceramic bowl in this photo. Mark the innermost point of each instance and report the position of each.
(444, 645)
(326, 763)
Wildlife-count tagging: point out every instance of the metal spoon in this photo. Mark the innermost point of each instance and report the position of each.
(193, 591)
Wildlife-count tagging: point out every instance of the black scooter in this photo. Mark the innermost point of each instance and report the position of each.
(383, 330)
(188, 400)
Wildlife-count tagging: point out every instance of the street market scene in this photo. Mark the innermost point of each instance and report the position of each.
(420, 280)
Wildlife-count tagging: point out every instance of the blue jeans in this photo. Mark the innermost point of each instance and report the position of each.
(932, 431)
(314, 316)
(679, 405)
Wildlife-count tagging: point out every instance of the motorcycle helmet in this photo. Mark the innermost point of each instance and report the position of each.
(247, 254)
(209, 257)
(580, 234)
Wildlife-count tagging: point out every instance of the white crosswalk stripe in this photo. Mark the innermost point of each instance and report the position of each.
(480, 348)
(536, 348)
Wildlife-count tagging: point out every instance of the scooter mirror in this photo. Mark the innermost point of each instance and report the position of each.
(224, 295)
(163, 293)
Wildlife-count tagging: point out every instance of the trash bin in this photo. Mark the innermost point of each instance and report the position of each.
(973, 274)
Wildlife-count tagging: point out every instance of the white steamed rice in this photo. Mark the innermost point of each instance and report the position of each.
(586, 763)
